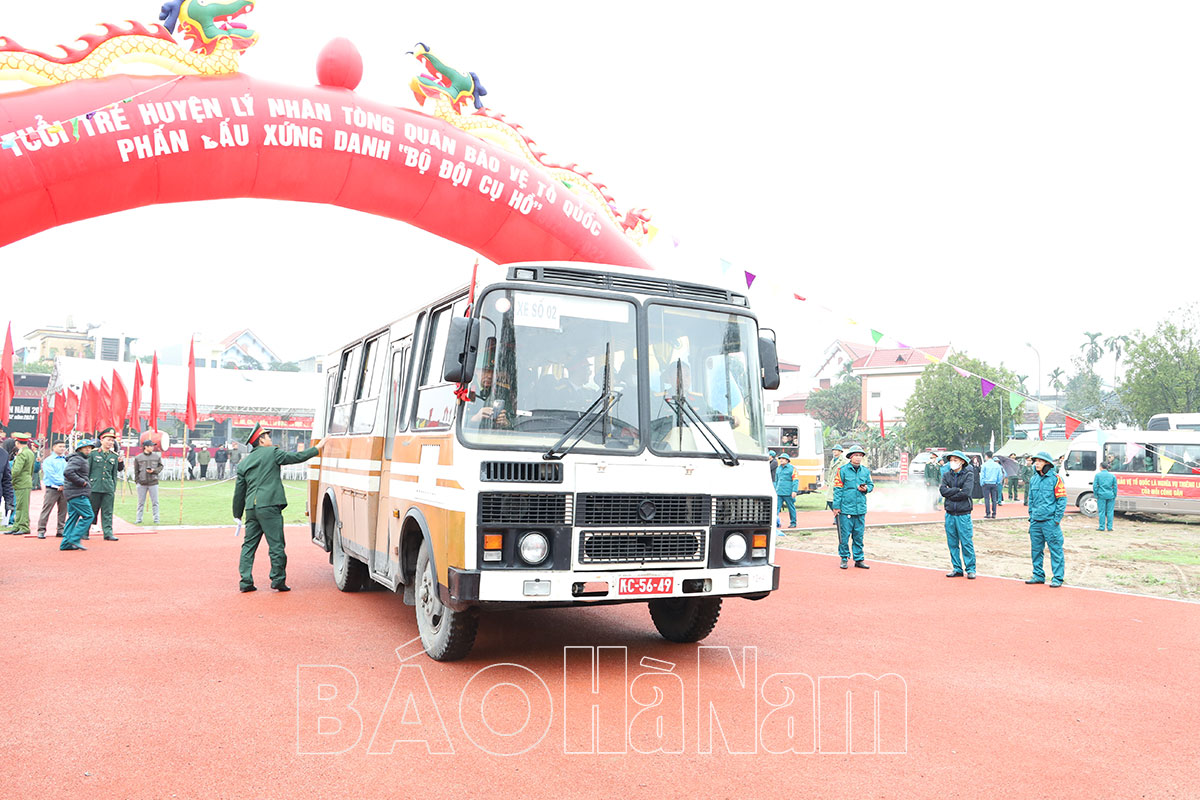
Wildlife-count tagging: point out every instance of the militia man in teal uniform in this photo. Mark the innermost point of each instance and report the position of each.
(22, 482)
(103, 465)
(258, 493)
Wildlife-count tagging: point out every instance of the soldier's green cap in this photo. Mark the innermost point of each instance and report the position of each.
(258, 431)
(22, 437)
(1044, 456)
(852, 449)
(110, 431)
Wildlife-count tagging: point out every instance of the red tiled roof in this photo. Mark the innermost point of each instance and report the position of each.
(796, 396)
(900, 357)
(789, 366)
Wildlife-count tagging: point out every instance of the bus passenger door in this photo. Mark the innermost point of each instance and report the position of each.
(391, 511)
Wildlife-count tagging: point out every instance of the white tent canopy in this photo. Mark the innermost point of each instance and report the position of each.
(222, 391)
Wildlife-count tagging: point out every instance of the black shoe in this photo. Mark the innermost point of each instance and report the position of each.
(85, 537)
(283, 587)
(74, 547)
(247, 588)
(58, 536)
(954, 574)
(1031, 580)
(1055, 585)
(861, 565)
(41, 536)
(111, 539)
(845, 563)
(970, 576)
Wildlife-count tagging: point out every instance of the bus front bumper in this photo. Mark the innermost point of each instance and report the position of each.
(541, 587)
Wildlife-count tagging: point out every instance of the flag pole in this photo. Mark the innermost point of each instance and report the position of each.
(183, 472)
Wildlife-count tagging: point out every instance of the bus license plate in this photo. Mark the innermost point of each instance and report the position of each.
(645, 585)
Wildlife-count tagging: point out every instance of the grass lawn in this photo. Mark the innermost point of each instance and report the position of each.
(204, 503)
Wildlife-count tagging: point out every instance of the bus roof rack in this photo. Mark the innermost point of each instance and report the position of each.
(629, 283)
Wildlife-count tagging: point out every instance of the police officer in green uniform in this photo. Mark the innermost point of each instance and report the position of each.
(258, 493)
(22, 482)
(103, 466)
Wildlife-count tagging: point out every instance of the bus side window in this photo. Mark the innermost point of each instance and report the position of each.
(395, 412)
(1082, 460)
(435, 399)
(339, 418)
(366, 397)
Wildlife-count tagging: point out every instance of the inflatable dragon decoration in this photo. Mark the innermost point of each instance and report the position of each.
(449, 90)
(216, 42)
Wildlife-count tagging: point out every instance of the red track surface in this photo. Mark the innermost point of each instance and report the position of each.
(136, 669)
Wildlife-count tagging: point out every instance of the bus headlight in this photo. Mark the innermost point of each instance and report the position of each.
(735, 547)
(533, 547)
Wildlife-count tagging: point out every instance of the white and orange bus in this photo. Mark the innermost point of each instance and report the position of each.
(584, 435)
(803, 439)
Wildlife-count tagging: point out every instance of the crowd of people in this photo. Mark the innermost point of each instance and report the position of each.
(26, 467)
(958, 480)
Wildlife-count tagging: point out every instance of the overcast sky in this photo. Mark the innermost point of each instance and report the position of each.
(980, 173)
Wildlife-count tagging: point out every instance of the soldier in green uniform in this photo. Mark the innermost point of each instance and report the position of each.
(258, 493)
(103, 465)
(22, 482)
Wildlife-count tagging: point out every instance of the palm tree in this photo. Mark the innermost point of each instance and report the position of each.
(1117, 345)
(1092, 351)
(1021, 380)
(1056, 378)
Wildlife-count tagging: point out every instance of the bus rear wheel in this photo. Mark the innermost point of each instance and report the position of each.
(349, 574)
(446, 634)
(685, 619)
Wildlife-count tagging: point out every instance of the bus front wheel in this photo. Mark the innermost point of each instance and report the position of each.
(446, 634)
(1088, 506)
(685, 619)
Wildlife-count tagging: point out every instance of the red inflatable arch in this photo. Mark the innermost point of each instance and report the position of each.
(76, 155)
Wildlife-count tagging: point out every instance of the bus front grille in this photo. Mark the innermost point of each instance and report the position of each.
(742, 510)
(627, 510)
(640, 547)
(521, 471)
(524, 508)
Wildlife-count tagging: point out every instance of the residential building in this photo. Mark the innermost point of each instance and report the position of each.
(889, 377)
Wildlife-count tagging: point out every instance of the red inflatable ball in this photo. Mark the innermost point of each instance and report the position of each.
(340, 65)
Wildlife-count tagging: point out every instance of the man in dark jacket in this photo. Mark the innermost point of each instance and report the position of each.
(77, 488)
(6, 487)
(221, 457)
(956, 491)
(147, 466)
(259, 494)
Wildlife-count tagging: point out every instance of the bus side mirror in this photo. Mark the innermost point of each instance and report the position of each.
(770, 363)
(462, 343)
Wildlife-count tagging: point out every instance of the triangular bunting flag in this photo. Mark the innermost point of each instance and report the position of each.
(798, 297)
(933, 359)
(876, 335)
(725, 266)
(1043, 411)
(1101, 438)
(962, 373)
(1014, 401)
(902, 345)
(1072, 424)
(986, 386)
(750, 276)
(1165, 464)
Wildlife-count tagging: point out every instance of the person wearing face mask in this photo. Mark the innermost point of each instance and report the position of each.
(1047, 504)
(850, 489)
(960, 537)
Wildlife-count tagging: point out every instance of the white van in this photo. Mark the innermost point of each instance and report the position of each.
(1174, 422)
(1137, 459)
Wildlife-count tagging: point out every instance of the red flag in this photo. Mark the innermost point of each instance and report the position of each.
(72, 411)
(135, 409)
(882, 435)
(60, 411)
(85, 408)
(120, 403)
(191, 416)
(1072, 424)
(105, 412)
(94, 408)
(154, 400)
(8, 388)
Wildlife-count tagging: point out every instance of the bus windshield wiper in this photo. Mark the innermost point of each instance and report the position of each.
(688, 413)
(607, 397)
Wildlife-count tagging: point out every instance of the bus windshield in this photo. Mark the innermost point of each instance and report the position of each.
(708, 361)
(547, 360)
